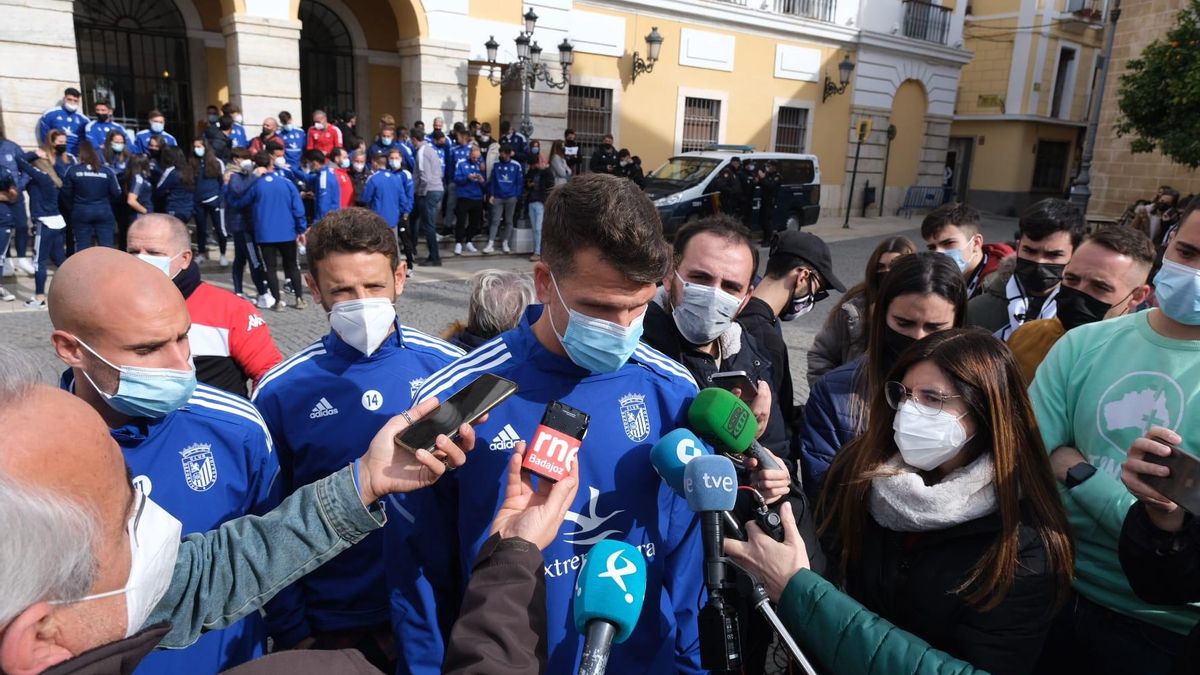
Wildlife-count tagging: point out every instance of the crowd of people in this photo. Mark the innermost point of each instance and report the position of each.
(973, 484)
(90, 179)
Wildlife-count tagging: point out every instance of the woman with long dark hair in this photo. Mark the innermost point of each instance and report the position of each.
(176, 187)
(210, 178)
(942, 518)
(922, 294)
(116, 151)
(844, 335)
(90, 188)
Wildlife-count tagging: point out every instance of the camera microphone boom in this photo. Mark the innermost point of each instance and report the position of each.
(710, 485)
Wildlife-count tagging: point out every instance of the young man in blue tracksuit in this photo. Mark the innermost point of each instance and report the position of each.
(389, 192)
(580, 347)
(505, 185)
(323, 183)
(65, 116)
(10, 159)
(8, 195)
(203, 454)
(294, 140)
(158, 129)
(458, 150)
(515, 140)
(240, 223)
(97, 130)
(330, 397)
(278, 215)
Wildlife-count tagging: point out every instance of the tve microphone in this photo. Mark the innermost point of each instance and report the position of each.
(609, 593)
(727, 422)
(556, 441)
(670, 456)
(710, 484)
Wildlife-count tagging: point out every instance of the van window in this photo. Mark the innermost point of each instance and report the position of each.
(682, 173)
(796, 171)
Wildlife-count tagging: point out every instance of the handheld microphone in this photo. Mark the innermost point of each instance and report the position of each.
(710, 484)
(609, 593)
(670, 456)
(726, 421)
(556, 441)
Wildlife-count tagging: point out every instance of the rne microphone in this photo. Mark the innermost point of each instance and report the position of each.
(670, 456)
(727, 422)
(609, 593)
(556, 442)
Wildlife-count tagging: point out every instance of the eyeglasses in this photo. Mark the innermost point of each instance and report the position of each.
(928, 402)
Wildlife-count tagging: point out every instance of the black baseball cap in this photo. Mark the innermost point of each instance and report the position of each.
(811, 249)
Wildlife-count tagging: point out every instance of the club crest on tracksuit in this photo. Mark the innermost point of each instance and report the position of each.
(635, 417)
(199, 467)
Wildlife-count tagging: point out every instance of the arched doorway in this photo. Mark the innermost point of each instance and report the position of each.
(134, 54)
(326, 61)
(908, 115)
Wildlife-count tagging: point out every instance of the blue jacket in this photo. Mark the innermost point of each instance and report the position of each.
(43, 193)
(208, 190)
(454, 154)
(429, 557)
(327, 195)
(174, 196)
(519, 145)
(206, 463)
(237, 136)
(10, 158)
(467, 188)
(294, 141)
(141, 142)
(507, 179)
(59, 118)
(278, 211)
(97, 132)
(7, 182)
(323, 406)
(390, 194)
(90, 191)
(828, 422)
(144, 189)
(238, 219)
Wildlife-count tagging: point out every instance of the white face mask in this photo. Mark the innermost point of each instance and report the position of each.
(199, 151)
(237, 117)
(396, 164)
(359, 167)
(704, 313)
(363, 324)
(281, 162)
(246, 165)
(70, 107)
(154, 538)
(162, 262)
(927, 439)
(319, 125)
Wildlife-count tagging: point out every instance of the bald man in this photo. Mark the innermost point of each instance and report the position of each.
(231, 343)
(93, 574)
(205, 455)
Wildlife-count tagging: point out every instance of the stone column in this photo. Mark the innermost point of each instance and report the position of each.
(547, 107)
(37, 42)
(262, 55)
(433, 80)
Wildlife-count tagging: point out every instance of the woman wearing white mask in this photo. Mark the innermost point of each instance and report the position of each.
(943, 518)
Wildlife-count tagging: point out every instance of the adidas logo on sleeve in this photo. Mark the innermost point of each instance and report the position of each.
(323, 408)
(507, 439)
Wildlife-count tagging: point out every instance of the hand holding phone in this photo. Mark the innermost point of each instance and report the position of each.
(1164, 477)
(387, 468)
(737, 380)
(467, 406)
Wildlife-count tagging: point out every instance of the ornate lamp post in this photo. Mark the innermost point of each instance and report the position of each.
(529, 66)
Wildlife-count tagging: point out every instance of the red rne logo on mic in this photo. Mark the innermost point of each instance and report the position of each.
(552, 453)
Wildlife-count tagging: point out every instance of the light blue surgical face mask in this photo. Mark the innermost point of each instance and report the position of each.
(146, 392)
(344, 163)
(595, 344)
(1177, 288)
(156, 127)
(118, 147)
(386, 141)
(162, 262)
(956, 255)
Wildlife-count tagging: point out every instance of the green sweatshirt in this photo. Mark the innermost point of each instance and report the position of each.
(1099, 389)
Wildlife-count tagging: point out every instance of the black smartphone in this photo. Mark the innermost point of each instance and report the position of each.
(736, 379)
(1183, 485)
(469, 404)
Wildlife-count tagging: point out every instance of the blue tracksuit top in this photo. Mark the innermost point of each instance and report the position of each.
(278, 211)
(457, 153)
(433, 535)
(327, 195)
(175, 197)
(206, 463)
(208, 190)
(7, 182)
(60, 118)
(519, 145)
(43, 193)
(141, 142)
(238, 220)
(237, 136)
(507, 179)
(97, 133)
(390, 194)
(144, 189)
(90, 191)
(467, 188)
(10, 158)
(323, 406)
(294, 141)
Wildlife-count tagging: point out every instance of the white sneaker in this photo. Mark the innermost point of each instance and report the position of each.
(9, 270)
(266, 301)
(26, 266)
(458, 249)
(5, 296)
(34, 303)
(505, 248)
(471, 248)
(489, 248)
(224, 261)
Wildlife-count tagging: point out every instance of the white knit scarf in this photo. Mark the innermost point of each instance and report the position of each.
(901, 501)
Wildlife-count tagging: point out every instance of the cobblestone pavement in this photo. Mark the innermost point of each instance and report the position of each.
(435, 296)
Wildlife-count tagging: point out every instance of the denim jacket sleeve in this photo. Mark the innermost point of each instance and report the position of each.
(224, 574)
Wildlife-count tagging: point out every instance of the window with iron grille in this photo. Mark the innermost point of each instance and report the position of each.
(701, 123)
(791, 129)
(589, 113)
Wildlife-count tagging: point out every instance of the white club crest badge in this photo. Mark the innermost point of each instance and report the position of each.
(199, 467)
(635, 417)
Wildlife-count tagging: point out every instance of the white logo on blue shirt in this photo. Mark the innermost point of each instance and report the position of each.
(323, 408)
(635, 417)
(414, 385)
(590, 522)
(199, 467)
(507, 439)
(372, 400)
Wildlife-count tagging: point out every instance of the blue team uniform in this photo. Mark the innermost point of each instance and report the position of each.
(327, 194)
(8, 181)
(176, 198)
(237, 136)
(455, 154)
(294, 141)
(91, 195)
(276, 207)
(141, 142)
(507, 179)
(206, 463)
(429, 555)
(10, 158)
(323, 406)
(467, 188)
(519, 143)
(390, 194)
(60, 118)
(97, 133)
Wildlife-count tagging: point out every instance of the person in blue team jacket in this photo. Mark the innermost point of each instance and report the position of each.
(89, 189)
(274, 203)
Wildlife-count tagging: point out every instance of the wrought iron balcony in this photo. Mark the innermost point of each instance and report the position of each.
(926, 21)
(817, 10)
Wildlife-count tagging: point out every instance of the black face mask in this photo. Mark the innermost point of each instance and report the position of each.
(894, 344)
(1037, 278)
(60, 149)
(102, 118)
(1076, 308)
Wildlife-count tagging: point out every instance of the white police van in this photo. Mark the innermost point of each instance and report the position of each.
(682, 188)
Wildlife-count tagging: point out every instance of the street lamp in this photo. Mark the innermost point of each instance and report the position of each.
(529, 66)
(653, 48)
(845, 69)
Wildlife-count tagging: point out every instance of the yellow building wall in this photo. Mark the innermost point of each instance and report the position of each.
(483, 102)
(379, 24)
(908, 115)
(218, 76)
(647, 111)
(509, 11)
(385, 87)
(1006, 151)
(984, 82)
